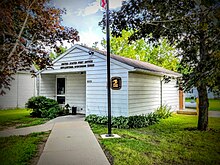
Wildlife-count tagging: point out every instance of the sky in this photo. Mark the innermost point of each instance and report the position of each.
(84, 15)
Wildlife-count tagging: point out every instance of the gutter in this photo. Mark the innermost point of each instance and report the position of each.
(156, 73)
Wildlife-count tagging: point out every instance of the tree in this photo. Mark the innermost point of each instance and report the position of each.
(161, 55)
(193, 24)
(28, 29)
(59, 50)
(95, 45)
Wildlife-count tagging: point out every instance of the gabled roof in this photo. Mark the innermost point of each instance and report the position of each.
(138, 65)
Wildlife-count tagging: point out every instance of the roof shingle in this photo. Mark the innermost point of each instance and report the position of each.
(138, 64)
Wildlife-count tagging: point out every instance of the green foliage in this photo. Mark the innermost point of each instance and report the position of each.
(174, 140)
(91, 118)
(18, 118)
(28, 30)
(33, 122)
(102, 120)
(194, 26)
(19, 150)
(161, 55)
(163, 111)
(137, 121)
(59, 50)
(43, 107)
(52, 112)
(95, 45)
(120, 122)
(214, 104)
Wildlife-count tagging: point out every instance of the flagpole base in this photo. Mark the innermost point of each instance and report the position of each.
(110, 136)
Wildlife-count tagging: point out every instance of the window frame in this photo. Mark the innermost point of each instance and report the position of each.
(61, 95)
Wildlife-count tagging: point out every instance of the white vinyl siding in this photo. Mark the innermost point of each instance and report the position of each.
(94, 78)
(97, 93)
(48, 85)
(143, 93)
(171, 95)
(86, 87)
(76, 91)
(22, 88)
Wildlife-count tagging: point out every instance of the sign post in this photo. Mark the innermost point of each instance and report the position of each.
(116, 83)
(105, 4)
(108, 69)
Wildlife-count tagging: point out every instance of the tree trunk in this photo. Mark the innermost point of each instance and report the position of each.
(203, 108)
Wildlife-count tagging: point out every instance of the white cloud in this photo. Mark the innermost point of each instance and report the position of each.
(94, 7)
(113, 4)
(90, 36)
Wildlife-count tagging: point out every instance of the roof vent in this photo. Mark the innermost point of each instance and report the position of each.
(91, 53)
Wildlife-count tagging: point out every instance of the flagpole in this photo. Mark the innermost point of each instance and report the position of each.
(108, 68)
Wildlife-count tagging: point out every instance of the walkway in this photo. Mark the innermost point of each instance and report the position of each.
(189, 111)
(40, 128)
(71, 142)
(214, 113)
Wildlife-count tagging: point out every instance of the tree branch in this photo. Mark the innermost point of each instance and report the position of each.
(19, 36)
(165, 21)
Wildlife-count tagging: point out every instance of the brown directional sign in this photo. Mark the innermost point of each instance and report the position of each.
(116, 83)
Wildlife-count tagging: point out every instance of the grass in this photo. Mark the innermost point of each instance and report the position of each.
(18, 118)
(214, 104)
(19, 150)
(172, 141)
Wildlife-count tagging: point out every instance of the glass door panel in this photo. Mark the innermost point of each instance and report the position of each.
(61, 90)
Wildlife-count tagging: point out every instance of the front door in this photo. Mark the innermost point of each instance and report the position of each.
(61, 88)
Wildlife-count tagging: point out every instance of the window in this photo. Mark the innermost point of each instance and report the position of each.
(61, 99)
(61, 90)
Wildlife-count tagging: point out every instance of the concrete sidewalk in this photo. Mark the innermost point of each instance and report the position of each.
(40, 128)
(72, 143)
(27, 130)
(189, 111)
(214, 113)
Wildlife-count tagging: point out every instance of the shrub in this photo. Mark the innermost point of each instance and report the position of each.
(102, 120)
(120, 122)
(163, 111)
(153, 118)
(137, 121)
(91, 118)
(43, 107)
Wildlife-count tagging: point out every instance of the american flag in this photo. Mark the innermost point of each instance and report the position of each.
(103, 3)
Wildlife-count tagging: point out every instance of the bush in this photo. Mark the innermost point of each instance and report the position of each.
(137, 121)
(91, 118)
(43, 107)
(120, 122)
(163, 111)
(102, 120)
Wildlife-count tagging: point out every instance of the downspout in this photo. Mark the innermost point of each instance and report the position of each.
(17, 76)
(35, 79)
(39, 85)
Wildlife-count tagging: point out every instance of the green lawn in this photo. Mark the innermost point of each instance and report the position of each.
(19, 150)
(172, 141)
(18, 118)
(214, 104)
